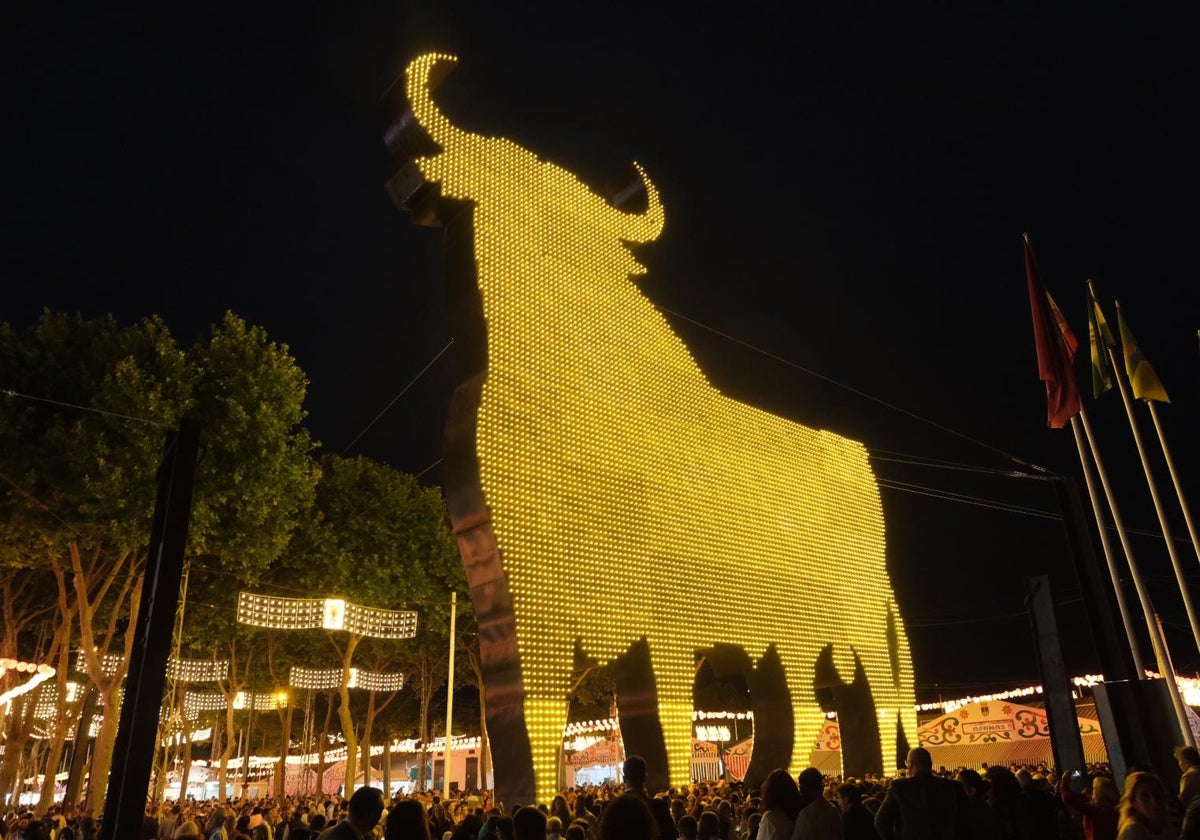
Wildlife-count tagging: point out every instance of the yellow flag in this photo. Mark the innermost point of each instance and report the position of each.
(1142, 378)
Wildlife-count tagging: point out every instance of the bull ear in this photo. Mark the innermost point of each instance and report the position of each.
(424, 74)
(647, 225)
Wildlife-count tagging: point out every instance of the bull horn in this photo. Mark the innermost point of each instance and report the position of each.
(647, 225)
(425, 73)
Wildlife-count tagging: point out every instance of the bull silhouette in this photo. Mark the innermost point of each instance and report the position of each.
(611, 505)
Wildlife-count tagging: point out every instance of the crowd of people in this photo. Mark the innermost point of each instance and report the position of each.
(1000, 803)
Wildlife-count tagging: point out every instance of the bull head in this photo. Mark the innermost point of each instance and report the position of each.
(424, 74)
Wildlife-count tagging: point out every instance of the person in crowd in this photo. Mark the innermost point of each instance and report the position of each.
(978, 819)
(925, 805)
(634, 773)
(214, 827)
(529, 823)
(1144, 809)
(363, 813)
(1189, 783)
(857, 822)
(627, 817)
(708, 827)
(1043, 804)
(187, 830)
(554, 828)
(241, 829)
(780, 804)
(1099, 812)
(1012, 811)
(660, 809)
(406, 821)
(558, 808)
(687, 827)
(819, 819)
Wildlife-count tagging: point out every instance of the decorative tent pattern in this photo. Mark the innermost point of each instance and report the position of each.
(1000, 733)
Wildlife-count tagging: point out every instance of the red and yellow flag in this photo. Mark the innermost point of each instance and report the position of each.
(1056, 345)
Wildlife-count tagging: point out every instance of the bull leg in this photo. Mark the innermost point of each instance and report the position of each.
(547, 682)
(807, 717)
(675, 673)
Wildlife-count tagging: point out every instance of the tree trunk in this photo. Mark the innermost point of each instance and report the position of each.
(351, 738)
(79, 749)
(387, 769)
(484, 752)
(226, 752)
(321, 744)
(423, 780)
(344, 716)
(58, 737)
(186, 772)
(102, 752)
(366, 738)
(285, 738)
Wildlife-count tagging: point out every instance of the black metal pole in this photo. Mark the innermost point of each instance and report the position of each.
(1065, 741)
(137, 732)
(1099, 600)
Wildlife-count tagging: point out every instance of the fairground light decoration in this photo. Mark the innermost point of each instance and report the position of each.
(324, 614)
(327, 679)
(610, 503)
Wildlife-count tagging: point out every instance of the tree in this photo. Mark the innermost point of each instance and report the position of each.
(81, 434)
(377, 538)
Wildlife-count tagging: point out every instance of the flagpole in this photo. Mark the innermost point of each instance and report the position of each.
(1158, 507)
(1187, 513)
(1106, 544)
(1157, 643)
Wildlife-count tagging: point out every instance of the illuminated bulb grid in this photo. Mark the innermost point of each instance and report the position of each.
(325, 614)
(197, 670)
(628, 496)
(110, 663)
(327, 679)
(723, 716)
(580, 727)
(196, 702)
(1188, 686)
(372, 681)
(47, 705)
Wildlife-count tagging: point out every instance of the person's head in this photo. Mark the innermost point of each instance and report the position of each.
(1187, 757)
(365, 808)
(660, 809)
(779, 791)
(972, 783)
(1144, 801)
(687, 827)
(1104, 792)
(1004, 784)
(554, 825)
(919, 762)
(849, 796)
(627, 818)
(708, 827)
(634, 771)
(812, 784)
(216, 819)
(406, 819)
(529, 823)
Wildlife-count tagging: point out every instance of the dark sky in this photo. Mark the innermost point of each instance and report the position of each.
(845, 189)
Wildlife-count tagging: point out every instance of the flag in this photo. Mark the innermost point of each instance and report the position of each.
(1142, 378)
(1056, 346)
(1101, 339)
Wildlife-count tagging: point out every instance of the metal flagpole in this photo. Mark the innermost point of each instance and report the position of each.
(449, 702)
(1156, 643)
(1158, 508)
(1106, 544)
(1187, 513)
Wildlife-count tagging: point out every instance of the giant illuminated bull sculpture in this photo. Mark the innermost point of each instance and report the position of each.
(611, 504)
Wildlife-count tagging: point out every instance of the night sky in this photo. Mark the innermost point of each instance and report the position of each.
(845, 191)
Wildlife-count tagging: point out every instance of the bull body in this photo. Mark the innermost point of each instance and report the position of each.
(605, 493)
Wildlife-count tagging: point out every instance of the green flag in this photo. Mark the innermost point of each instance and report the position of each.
(1145, 382)
(1101, 339)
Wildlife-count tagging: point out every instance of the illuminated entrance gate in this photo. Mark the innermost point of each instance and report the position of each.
(611, 504)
